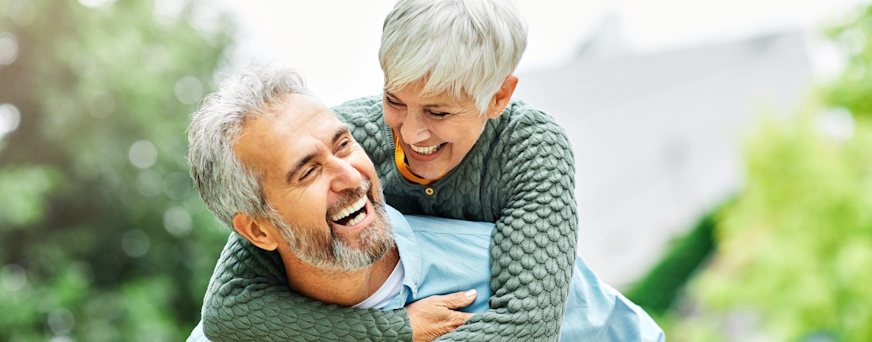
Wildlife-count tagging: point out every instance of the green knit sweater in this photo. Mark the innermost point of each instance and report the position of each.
(519, 174)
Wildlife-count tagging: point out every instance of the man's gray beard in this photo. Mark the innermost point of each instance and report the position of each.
(323, 249)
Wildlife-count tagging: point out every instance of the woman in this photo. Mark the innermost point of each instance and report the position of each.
(447, 140)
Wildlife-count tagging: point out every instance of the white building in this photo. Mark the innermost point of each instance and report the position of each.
(657, 137)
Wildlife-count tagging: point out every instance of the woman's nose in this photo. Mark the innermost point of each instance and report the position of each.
(414, 129)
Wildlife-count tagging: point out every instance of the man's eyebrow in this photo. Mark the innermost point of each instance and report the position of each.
(342, 130)
(433, 105)
(305, 160)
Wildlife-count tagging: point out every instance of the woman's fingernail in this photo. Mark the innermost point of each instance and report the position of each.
(470, 293)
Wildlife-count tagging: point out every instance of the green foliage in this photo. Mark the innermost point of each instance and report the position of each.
(797, 244)
(658, 289)
(853, 87)
(24, 189)
(101, 236)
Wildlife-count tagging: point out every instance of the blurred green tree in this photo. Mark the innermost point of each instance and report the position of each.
(102, 237)
(795, 249)
(853, 88)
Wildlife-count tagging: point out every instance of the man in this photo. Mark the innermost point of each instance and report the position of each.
(298, 184)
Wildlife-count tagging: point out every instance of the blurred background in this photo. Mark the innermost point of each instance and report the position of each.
(723, 150)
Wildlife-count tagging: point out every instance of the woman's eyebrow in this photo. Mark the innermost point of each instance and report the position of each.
(433, 105)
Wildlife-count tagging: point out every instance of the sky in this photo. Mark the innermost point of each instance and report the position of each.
(335, 43)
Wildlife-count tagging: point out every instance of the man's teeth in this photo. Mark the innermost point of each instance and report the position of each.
(353, 207)
(426, 150)
(356, 220)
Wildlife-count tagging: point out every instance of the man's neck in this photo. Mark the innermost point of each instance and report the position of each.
(341, 288)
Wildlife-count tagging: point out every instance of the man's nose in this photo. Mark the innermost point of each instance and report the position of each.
(345, 175)
(414, 128)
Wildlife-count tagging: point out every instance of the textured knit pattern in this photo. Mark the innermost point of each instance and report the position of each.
(519, 174)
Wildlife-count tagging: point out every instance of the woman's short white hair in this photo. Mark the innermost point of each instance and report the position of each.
(226, 185)
(463, 47)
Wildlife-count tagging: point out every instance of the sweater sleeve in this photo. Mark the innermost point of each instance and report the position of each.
(533, 247)
(248, 300)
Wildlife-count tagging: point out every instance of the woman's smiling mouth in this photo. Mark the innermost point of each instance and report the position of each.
(427, 149)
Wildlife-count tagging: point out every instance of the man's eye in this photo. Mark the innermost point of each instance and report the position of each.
(306, 173)
(345, 143)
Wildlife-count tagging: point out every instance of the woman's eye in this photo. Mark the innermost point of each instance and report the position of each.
(392, 103)
(438, 114)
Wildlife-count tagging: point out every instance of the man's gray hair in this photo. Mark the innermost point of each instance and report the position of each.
(226, 185)
(464, 47)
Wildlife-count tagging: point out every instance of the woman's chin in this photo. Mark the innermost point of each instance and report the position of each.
(425, 171)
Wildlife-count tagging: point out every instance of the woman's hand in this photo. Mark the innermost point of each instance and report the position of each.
(435, 316)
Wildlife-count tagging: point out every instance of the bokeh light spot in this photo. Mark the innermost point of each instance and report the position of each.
(177, 221)
(20, 11)
(80, 274)
(167, 12)
(8, 48)
(853, 40)
(10, 118)
(135, 243)
(189, 90)
(837, 124)
(143, 154)
(148, 183)
(156, 58)
(96, 3)
(61, 321)
(13, 277)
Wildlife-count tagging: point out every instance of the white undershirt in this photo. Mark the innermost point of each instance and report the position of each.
(390, 289)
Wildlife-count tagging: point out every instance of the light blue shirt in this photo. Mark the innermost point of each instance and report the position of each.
(442, 256)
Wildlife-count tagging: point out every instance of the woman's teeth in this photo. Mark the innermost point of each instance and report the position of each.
(351, 209)
(427, 149)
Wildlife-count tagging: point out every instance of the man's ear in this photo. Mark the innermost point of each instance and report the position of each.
(260, 232)
(501, 99)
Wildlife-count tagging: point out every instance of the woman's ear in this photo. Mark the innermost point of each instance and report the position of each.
(261, 233)
(501, 99)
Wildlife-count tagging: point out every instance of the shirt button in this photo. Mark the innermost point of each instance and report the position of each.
(429, 191)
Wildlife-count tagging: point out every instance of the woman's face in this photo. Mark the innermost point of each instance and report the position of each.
(435, 132)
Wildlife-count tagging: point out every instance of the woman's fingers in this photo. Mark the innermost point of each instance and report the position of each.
(435, 316)
(458, 299)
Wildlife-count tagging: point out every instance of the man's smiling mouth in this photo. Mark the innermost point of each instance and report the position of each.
(351, 214)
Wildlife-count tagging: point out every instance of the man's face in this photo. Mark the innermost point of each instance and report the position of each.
(322, 185)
